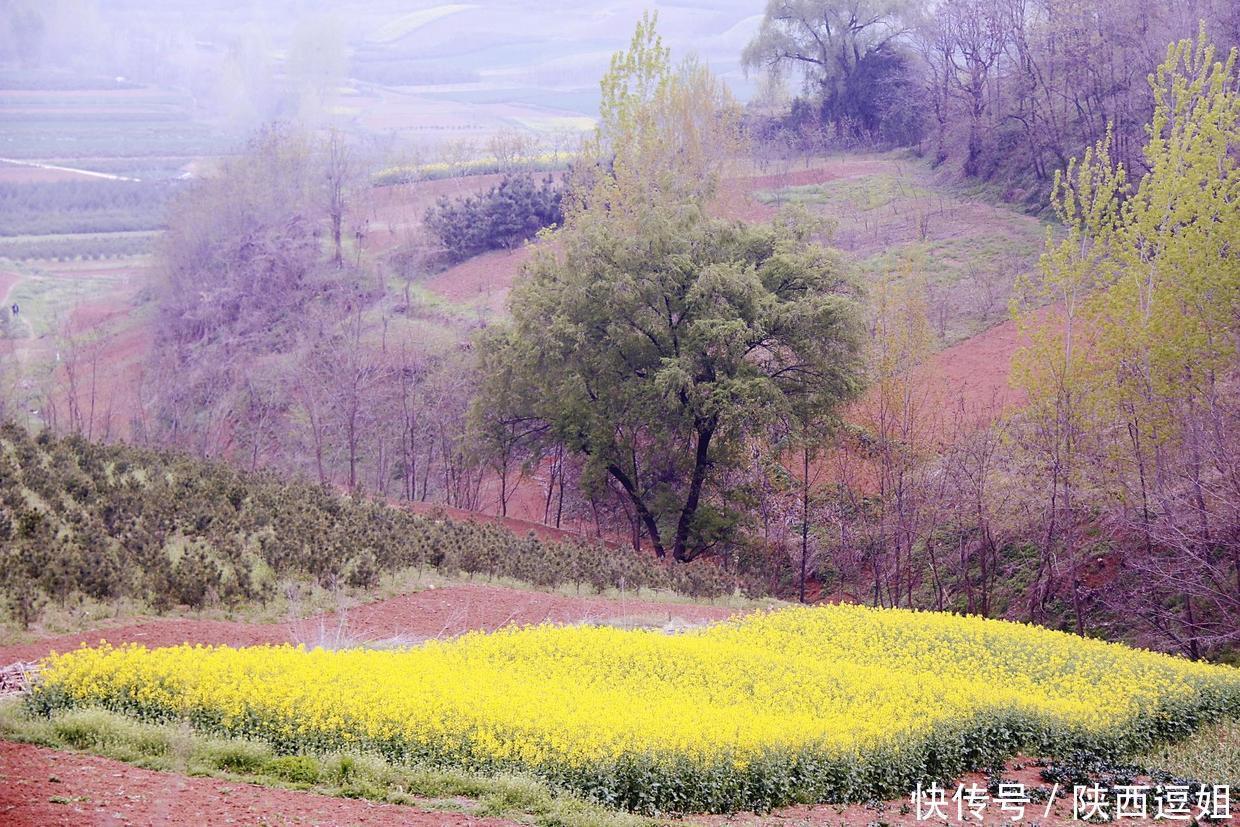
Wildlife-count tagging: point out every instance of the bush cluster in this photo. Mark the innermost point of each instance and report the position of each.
(114, 521)
(503, 217)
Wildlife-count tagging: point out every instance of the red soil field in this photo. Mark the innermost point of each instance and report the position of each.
(977, 369)
(100, 791)
(409, 618)
(485, 279)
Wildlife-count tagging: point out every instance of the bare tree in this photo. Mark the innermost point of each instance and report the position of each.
(341, 172)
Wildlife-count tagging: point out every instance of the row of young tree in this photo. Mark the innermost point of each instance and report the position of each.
(82, 206)
(1007, 89)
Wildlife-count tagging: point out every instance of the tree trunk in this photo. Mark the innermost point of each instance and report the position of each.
(701, 463)
(647, 518)
(804, 517)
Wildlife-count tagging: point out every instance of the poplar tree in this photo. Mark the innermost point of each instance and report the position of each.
(1134, 355)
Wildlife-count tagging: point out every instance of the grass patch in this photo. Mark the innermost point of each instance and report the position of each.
(46, 301)
(176, 748)
(867, 192)
(1211, 756)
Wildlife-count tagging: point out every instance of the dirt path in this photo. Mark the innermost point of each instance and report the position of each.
(407, 619)
(40, 786)
(8, 281)
(70, 170)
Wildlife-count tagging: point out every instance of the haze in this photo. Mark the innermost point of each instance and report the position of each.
(425, 73)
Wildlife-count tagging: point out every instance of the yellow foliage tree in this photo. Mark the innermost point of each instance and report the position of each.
(1135, 319)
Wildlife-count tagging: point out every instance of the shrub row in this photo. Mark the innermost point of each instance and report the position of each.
(113, 521)
(69, 247)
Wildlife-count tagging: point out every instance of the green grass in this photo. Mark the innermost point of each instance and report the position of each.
(177, 748)
(867, 192)
(46, 301)
(1211, 756)
(951, 259)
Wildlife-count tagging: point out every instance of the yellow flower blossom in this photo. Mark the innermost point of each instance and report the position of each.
(803, 689)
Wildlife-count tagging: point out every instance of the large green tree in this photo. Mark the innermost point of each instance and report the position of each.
(659, 350)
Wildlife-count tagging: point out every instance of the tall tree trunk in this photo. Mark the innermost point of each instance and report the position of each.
(647, 518)
(804, 517)
(701, 462)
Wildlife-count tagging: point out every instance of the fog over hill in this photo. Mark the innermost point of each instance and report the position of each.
(434, 70)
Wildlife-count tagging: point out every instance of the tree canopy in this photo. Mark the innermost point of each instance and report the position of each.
(663, 131)
(657, 352)
(849, 52)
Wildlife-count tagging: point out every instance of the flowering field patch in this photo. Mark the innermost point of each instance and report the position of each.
(824, 704)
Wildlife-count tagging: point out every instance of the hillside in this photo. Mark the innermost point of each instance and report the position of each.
(88, 525)
(912, 221)
(598, 415)
(890, 214)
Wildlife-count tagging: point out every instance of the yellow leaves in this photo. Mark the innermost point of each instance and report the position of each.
(1145, 286)
(840, 680)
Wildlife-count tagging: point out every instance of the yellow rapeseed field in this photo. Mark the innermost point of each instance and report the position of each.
(830, 703)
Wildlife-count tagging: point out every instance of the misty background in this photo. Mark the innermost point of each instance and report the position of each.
(401, 74)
